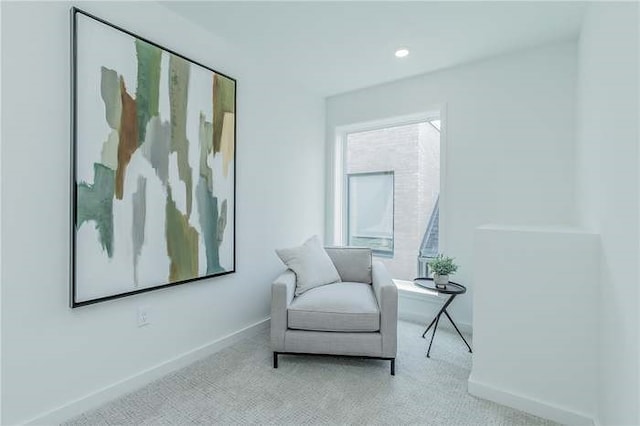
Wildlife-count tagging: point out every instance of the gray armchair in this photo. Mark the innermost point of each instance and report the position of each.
(355, 317)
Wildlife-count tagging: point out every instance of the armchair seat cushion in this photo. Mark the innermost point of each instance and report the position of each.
(345, 306)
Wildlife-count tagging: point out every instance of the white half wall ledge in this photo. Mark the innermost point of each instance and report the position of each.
(563, 229)
(535, 320)
(529, 405)
(137, 381)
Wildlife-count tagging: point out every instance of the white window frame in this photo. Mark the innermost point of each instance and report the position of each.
(337, 223)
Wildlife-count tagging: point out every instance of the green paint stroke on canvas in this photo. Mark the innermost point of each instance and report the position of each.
(206, 145)
(222, 222)
(182, 243)
(156, 147)
(110, 93)
(95, 203)
(178, 95)
(148, 90)
(139, 202)
(212, 224)
(224, 92)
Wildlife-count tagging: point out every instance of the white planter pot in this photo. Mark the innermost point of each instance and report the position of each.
(441, 280)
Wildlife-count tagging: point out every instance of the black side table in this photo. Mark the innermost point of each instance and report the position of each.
(452, 289)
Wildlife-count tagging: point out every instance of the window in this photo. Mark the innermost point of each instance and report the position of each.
(370, 211)
(388, 184)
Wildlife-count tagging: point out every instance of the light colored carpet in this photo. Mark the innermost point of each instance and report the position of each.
(239, 386)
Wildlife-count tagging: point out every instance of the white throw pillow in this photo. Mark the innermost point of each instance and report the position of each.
(311, 263)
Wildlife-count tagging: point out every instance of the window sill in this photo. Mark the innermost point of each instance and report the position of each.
(381, 254)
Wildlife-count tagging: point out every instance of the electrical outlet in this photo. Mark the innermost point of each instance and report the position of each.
(143, 317)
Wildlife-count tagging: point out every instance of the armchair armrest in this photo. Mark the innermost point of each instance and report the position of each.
(282, 291)
(387, 294)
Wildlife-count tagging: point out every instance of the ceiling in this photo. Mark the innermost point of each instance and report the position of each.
(335, 47)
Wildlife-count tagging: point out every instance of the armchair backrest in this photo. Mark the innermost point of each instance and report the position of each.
(353, 263)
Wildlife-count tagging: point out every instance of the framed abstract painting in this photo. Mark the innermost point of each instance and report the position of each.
(153, 158)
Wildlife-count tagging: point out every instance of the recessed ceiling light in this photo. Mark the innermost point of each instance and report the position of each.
(401, 53)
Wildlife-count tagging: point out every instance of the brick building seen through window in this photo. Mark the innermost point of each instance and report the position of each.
(392, 188)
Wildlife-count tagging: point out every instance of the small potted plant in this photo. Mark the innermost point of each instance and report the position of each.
(442, 266)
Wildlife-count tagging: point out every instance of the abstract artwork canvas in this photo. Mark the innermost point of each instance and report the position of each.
(153, 157)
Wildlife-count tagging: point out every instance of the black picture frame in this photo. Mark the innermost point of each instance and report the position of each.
(73, 302)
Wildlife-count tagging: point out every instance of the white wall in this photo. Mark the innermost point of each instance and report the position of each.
(52, 355)
(608, 194)
(534, 343)
(508, 143)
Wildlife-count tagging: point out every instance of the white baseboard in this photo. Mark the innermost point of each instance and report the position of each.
(136, 381)
(529, 405)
